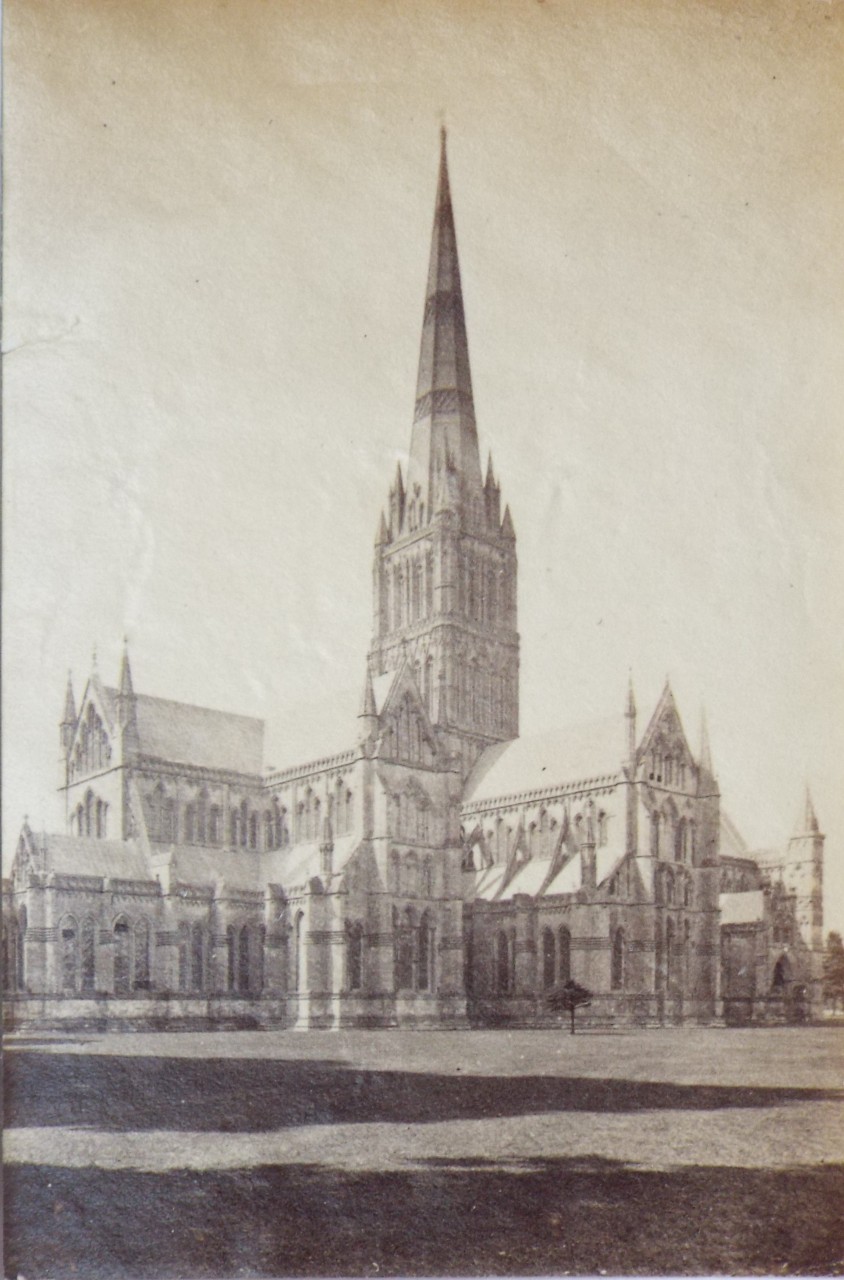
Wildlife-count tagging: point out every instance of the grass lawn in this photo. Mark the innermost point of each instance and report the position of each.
(527, 1152)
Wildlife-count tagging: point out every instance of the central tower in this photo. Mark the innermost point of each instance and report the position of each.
(445, 558)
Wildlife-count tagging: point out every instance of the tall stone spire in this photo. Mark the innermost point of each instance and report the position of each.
(444, 440)
(445, 561)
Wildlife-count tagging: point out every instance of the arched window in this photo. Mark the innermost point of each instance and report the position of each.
(190, 824)
(502, 963)
(69, 933)
(680, 840)
(617, 968)
(231, 957)
(234, 828)
(395, 871)
(142, 954)
(201, 817)
(269, 831)
(416, 597)
(427, 878)
(122, 957)
(563, 954)
(549, 959)
(669, 953)
(654, 835)
(243, 973)
(253, 831)
(168, 821)
(428, 685)
(424, 964)
(429, 579)
(215, 825)
(197, 957)
(184, 956)
(354, 955)
(404, 951)
(260, 954)
(782, 975)
(299, 959)
(411, 877)
(89, 813)
(88, 954)
(398, 596)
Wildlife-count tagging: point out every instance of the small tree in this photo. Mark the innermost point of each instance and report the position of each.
(833, 971)
(569, 998)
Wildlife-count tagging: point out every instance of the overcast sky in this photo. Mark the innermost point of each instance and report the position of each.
(217, 222)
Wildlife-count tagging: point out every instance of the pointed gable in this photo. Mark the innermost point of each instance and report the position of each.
(407, 735)
(444, 441)
(664, 748)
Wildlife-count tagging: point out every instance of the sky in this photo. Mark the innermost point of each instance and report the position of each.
(217, 222)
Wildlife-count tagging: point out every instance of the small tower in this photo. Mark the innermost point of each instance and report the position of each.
(803, 875)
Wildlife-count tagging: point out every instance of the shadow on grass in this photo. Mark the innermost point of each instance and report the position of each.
(543, 1217)
(233, 1095)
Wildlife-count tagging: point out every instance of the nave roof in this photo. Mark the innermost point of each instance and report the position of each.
(578, 753)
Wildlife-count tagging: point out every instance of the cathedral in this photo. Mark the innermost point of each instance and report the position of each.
(422, 865)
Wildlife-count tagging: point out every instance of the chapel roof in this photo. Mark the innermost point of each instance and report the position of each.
(188, 734)
(84, 855)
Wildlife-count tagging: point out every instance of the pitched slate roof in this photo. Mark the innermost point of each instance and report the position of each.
(187, 734)
(80, 855)
(579, 753)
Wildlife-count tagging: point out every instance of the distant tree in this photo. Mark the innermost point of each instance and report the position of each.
(568, 998)
(833, 971)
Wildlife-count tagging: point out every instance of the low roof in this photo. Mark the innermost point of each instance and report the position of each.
(742, 908)
(579, 753)
(83, 855)
(187, 734)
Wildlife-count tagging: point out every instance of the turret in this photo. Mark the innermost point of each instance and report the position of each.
(67, 725)
(368, 714)
(630, 717)
(127, 704)
(803, 874)
(707, 784)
